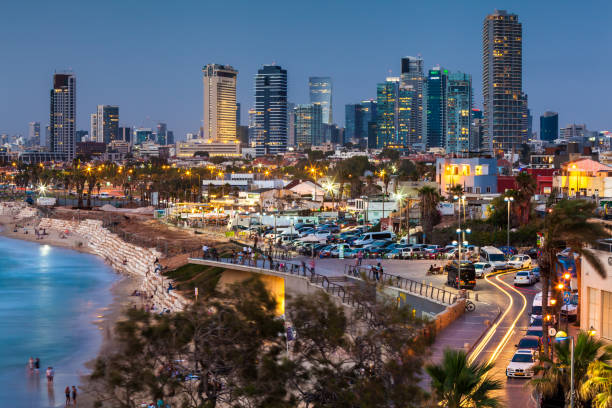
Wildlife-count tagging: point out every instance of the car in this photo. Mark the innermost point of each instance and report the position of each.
(530, 342)
(522, 364)
(326, 251)
(412, 252)
(335, 251)
(432, 248)
(524, 278)
(534, 331)
(536, 320)
(493, 256)
(534, 253)
(519, 261)
(508, 250)
(536, 273)
(482, 269)
(395, 253)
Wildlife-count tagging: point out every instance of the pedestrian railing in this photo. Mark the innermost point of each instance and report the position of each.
(419, 288)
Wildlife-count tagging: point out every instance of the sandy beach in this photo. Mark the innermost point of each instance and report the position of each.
(108, 316)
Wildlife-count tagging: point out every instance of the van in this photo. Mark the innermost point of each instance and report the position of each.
(493, 256)
(370, 237)
(467, 279)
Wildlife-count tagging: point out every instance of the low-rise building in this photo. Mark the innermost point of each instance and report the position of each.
(596, 292)
(193, 146)
(583, 177)
(477, 175)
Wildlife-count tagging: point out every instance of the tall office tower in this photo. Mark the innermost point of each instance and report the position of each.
(142, 135)
(369, 116)
(62, 115)
(477, 131)
(290, 124)
(502, 81)
(394, 114)
(107, 124)
(436, 107)
(34, 133)
(529, 122)
(458, 115)
(308, 125)
(413, 79)
(237, 115)
(549, 126)
(220, 103)
(93, 127)
(48, 136)
(161, 134)
(353, 123)
(125, 134)
(574, 131)
(321, 93)
(270, 130)
(169, 137)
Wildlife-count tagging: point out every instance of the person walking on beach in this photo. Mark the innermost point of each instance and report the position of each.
(37, 364)
(31, 363)
(67, 392)
(74, 395)
(50, 374)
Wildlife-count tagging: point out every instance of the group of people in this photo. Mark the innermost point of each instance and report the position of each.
(33, 366)
(71, 396)
(40, 233)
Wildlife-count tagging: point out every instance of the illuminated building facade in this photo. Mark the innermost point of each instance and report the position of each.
(62, 116)
(436, 107)
(308, 125)
(270, 130)
(106, 124)
(394, 108)
(413, 80)
(584, 177)
(458, 114)
(505, 105)
(476, 175)
(219, 103)
(321, 94)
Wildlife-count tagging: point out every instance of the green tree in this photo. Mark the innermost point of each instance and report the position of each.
(555, 373)
(456, 383)
(526, 188)
(456, 190)
(391, 154)
(598, 386)
(430, 216)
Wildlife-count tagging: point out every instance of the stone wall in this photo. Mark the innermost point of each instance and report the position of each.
(449, 315)
(19, 210)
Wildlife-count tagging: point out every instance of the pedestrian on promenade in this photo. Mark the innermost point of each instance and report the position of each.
(303, 266)
(67, 392)
(50, 374)
(233, 256)
(359, 258)
(271, 261)
(255, 241)
(312, 265)
(380, 271)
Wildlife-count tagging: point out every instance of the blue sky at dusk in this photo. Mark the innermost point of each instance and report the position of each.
(146, 56)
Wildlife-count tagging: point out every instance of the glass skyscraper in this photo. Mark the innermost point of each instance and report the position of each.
(549, 126)
(269, 134)
(62, 118)
(458, 112)
(308, 125)
(394, 106)
(353, 123)
(413, 80)
(436, 107)
(219, 103)
(321, 93)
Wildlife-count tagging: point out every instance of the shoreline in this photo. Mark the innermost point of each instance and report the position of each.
(109, 315)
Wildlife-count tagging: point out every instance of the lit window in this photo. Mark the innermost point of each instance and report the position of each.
(478, 171)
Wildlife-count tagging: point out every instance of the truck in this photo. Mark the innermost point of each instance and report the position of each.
(461, 275)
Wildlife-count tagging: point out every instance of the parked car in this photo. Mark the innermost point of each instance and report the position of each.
(461, 275)
(395, 253)
(482, 269)
(524, 278)
(412, 251)
(493, 256)
(521, 364)
(432, 248)
(530, 343)
(534, 253)
(335, 251)
(508, 250)
(536, 273)
(519, 261)
(534, 331)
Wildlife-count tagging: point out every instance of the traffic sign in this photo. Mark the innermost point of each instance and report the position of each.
(566, 297)
(552, 331)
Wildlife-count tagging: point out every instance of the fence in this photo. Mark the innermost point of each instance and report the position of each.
(412, 286)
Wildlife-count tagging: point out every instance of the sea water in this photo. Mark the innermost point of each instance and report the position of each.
(49, 300)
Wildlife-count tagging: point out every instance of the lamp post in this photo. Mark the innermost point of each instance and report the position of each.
(562, 336)
(509, 200)
(461, 233)
(399, 197)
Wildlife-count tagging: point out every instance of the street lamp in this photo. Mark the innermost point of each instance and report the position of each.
(509, 200)
(461, 233)
(399, 197)
(562, 336)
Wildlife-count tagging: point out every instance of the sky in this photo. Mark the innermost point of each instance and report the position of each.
(146, 55)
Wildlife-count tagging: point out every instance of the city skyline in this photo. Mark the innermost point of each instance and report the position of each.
(549, 77)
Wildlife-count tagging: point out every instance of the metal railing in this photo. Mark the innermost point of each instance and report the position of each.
(604, 245)
(426, 290)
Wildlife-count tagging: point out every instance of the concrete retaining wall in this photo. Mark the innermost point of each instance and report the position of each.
(452, 313)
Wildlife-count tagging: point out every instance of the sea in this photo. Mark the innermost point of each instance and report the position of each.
(50, 299)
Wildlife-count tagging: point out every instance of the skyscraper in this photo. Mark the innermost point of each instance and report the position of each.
(270, 130)
(353, 123)
(161, 134)
(107, 124)
(308, 125)
(62, 115)
(93, 127)
(394, 113)
(549, 126)
(321, 93)
(290, 124)
(502, 81)
(125, 134)
(436, 107)
(369, 116)
(34, 133)
(413, 80)
(458, 115)
(220, 103)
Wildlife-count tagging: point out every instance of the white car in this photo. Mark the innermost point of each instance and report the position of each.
(521, 364)
(519, 261)
(524, 278)
(482, 269)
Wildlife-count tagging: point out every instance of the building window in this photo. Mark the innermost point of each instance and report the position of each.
(593, 300)
(546, 190)
(606, 314)
(478, 171)
(488, 189)
(477, 190)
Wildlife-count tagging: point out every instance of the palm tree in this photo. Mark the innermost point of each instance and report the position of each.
(598, 386)
(567, 225)
(429, 209)
(556, 372)
(456, 190)
(456, 383)
(527, 187)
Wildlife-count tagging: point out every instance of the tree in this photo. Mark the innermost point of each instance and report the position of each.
(430, 215)
(391, 154)
(567, 225)
(457, 383)
(556, 372)
(526, 188)
(456, 190)
(598, 385)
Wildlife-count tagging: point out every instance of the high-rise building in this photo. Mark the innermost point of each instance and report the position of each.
(353, 123)
(142, 135)
(237, 114)
(290, 124)
(220, 103)
(107, 124)
(321, 93)
(394, 113)
(574, 131)
(62, 117)
(369, 116)
(458, 115)
(161, 134)
(549, 126)
(169, 137)
(270, 130)
(436, 107)
(413, 80)
(308, 125)
(34, 133)
(477, 131)
(93, 127)
(125, 134)
(502, 81)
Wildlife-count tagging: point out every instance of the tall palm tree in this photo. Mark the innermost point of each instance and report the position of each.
(457, 383)
(429, 209)
(567, 225)
(456, 190)
(527, 187)
(556, 372)
(598, 386)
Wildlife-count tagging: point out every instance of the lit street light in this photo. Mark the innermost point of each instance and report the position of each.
(509, 200)
(562, 336)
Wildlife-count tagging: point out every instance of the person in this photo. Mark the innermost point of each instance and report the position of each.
(270, 261)
(67, 392)
(359, 258)
(312, 265)
(31, 363)
(303, 266)
(380, 271)
(204, 251)
(50, 374)
(170, 287)
(37, 364)
(255, 241)
(74, 395)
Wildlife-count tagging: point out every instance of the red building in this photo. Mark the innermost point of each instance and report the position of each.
(543, 177)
